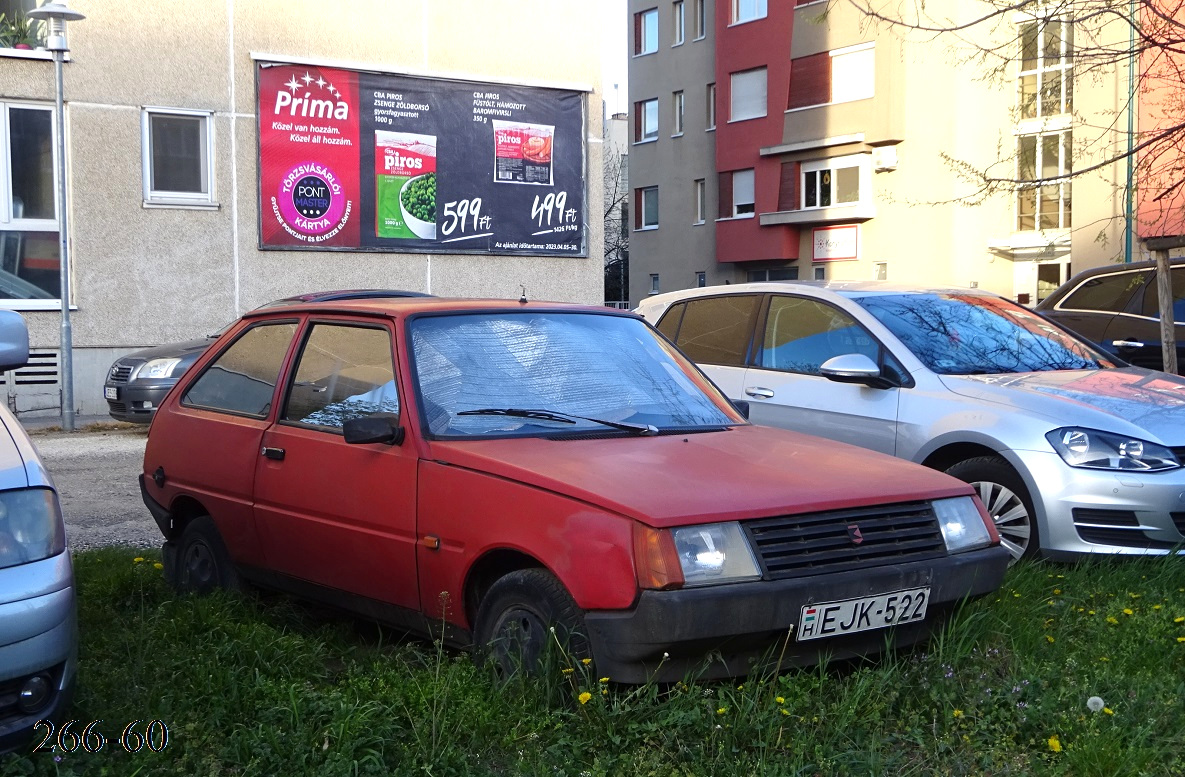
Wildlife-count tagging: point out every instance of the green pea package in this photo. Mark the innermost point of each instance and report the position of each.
(405, 185)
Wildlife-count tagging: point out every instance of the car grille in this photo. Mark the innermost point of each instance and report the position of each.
(1117, 527)
(120, 373)
(1179, 522)
(116, 407)
(818, 543)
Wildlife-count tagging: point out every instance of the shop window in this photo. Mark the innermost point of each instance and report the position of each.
(178, 157)
(29, 256)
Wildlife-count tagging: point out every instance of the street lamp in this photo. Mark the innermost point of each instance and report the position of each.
(55, 15)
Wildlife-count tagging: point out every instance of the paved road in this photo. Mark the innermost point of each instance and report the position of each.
(96, 473)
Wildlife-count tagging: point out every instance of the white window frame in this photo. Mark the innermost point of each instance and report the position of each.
(711, 89)
(860, 161)
(760, 11)
(642, 207)
(744, 77)
(679, 13)
(647, 134)
(1065, 215)
(701, 201)
(654, 287)
(650, 14)
(848, 94)
(10, 222)
(701, 19)
(744, 198)
(678, 103)
(168, 199)
(1063, 66)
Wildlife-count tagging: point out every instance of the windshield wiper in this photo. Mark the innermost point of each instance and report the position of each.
(642, 430)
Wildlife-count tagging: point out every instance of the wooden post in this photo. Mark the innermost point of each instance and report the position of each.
(1164, 292)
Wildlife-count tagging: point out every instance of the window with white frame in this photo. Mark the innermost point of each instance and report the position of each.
(701, 20)
(748, 93)
(701, 203)
(646, 32)
(654, 283)
(748, 10)
(838, 76)
(677, 110)
(680, 22)
(647, 207)
(30, 265)
(646, 118)
(178, 157)
(1040, 158)
(742, 193)
(828, 183)
(1045, 73)
(711, 98)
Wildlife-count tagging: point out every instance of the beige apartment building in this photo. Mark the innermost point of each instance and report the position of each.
(224, 153)
(778, 140)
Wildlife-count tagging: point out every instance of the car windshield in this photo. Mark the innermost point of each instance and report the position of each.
(570, 372)
(973, 334)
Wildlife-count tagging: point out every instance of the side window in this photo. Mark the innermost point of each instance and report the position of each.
(669, 323)
(1151, 305)
(243, 378)
(801, 334)
(1106, 292)
(343, 372)
(717, 330)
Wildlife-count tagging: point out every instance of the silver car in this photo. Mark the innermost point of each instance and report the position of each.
(1071, 452)
(38, 630)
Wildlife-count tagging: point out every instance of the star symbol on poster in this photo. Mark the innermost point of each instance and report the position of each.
(293, 84)
(307, 78)
(321, 82)
(333, 90)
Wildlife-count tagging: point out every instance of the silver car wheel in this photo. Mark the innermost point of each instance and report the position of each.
(1010, 515)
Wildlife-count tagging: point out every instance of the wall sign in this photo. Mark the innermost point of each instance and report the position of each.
(835, 243)
(353, 160)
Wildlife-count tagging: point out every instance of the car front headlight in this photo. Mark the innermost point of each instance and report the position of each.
(157, 368)
(30, 526)
(714, 553)
(963, 526)
(1092, 449)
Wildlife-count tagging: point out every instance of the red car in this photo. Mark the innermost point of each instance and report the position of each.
(506, 467)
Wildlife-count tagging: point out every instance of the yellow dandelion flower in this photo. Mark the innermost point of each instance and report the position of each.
(1090, 612)
(741, 687)
(584, 697)
(138, 559)
(586, 661)
(1181, 639)
(1178, 620)
(604, 692)
(1016, 596)
(1135, 596)
(1112, 619)
(1057, 591)
(1055, 744)
(721, 710)
(1127, 611)
(1156, 606)
(1049, 638)
(784, 712)
(604, 679)
(568, 670)
(957, 713)
(1104, 658)
(780, 700)
(158, 565)
(1108, 710)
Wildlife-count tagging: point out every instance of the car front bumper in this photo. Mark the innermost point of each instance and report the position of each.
(746, 626)
(1090, 511)
(38, 636)
(134, 402)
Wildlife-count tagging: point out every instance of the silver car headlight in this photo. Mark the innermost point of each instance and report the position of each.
(157, 368)
(962, 524)
(1092, 449)
(31, 526)
(714, 553)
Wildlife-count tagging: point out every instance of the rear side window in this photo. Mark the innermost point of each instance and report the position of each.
(801, 334)
(1151, 306)
(669, 323)
(343, 372)
(1107, 292)
(717, 330)
(242, 380)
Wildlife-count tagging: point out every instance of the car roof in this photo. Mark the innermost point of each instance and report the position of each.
(843, 288)
(405, 306)
(342, 294)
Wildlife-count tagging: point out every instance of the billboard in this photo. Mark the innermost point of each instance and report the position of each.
(354, 160)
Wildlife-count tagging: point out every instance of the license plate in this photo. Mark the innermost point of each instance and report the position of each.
(111, 392)
(829, 619)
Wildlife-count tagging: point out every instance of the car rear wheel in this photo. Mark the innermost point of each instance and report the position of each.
(1007, 501)
(515, 619)
(203, 563)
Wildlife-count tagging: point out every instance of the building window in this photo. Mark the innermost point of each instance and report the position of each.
(742, 193)
(747, 10)
(654, 283)
(677, 110)
(1041, 157)
(820, 273)
(29, 257)
(645, 120)
(701, 279)
(1045, 86)
(776, 274)
(680, 22)
(701, 204)
(831, 182)
(646, 208)
(880, 271)
(711, 117)
(701, 20)
(748, 94)
(178, 157)
(646, 32)
(839, 76)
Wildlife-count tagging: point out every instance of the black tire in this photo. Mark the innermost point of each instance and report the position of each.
(203, 565)
(515, 618)
(1007, 501)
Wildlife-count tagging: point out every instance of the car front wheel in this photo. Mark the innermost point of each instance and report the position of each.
(1007, 500)
(523, 616)
(203, 563)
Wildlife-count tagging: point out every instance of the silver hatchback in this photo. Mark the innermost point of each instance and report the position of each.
(38, 631)
(1071, 452)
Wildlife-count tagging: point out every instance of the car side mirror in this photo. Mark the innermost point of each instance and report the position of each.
(854, 368)
(14, 340)
(382, 428)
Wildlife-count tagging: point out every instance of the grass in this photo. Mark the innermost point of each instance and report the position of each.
(262, 685)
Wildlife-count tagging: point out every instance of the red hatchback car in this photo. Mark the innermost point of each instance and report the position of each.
(504, 468)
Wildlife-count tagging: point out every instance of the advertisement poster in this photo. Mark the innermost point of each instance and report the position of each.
(353, 160)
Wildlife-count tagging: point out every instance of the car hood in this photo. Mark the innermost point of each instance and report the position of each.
(670, 480)
(172, 350)
(1127, 400)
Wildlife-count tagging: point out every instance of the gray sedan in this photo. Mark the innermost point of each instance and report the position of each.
(1072, 452)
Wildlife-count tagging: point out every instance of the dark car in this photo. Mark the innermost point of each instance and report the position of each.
(138, 381)
(1117, 307)
(509, 475)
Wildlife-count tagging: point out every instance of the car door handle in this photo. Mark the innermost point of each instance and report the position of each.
(273, 453)
(1127, 344)
(759, 393)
